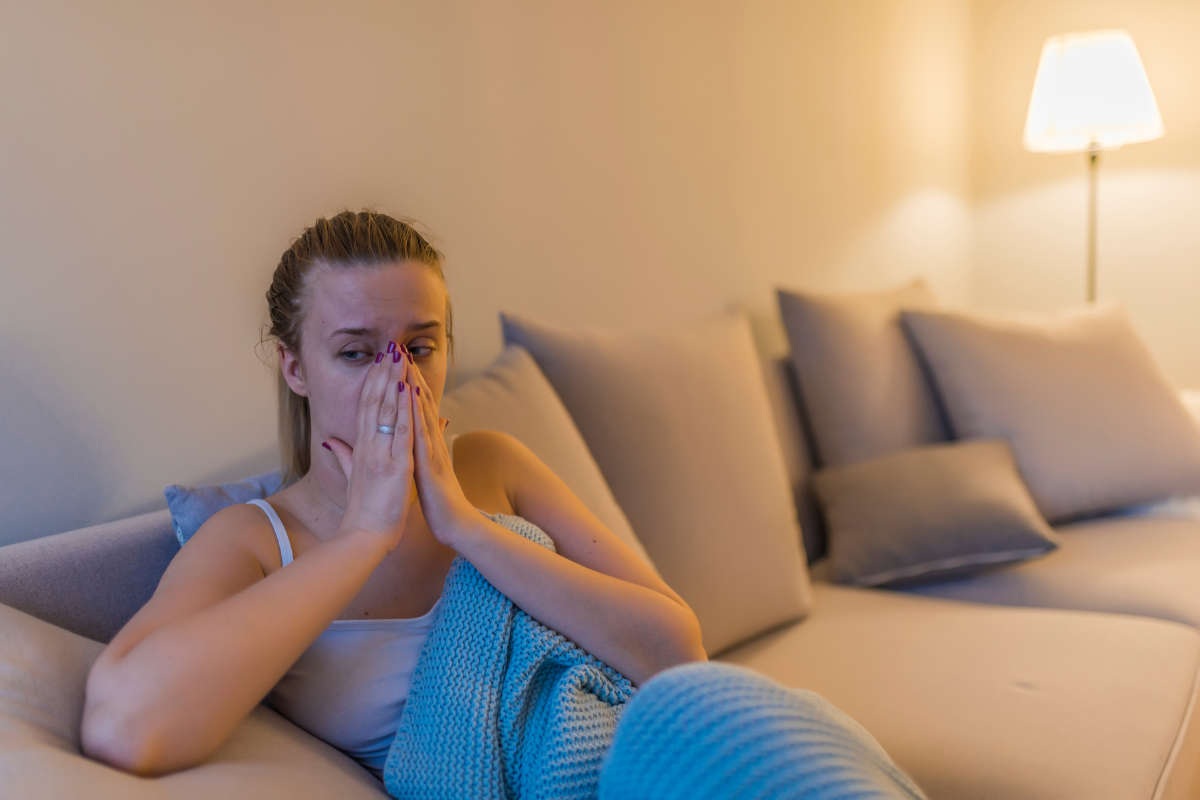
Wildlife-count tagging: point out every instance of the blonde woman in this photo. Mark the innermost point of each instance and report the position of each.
(376, 506)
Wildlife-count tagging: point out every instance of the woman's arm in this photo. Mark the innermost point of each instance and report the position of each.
(217, 635)
(194, 661)
(595, 590)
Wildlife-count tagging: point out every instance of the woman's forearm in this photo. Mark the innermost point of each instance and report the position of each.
(176, 695)
(633, 629)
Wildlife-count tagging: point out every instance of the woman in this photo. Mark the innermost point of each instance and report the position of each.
(376, 506)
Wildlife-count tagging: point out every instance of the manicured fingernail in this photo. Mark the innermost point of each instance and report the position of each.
(401, 386)
(326, 446)
(396, 356)
(410, 358)
(417, 389)
(378, 357)
(391, 346)
(405, 349)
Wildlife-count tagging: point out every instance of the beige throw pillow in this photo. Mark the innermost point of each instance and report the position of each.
(1093, 422)
(513, 396)
(43, 672)
(930, 512)
(864, 392)
(680, 425)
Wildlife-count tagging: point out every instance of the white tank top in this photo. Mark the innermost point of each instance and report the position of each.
(350, 686)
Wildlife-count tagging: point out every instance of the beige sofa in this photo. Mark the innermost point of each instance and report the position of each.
(1090, 696)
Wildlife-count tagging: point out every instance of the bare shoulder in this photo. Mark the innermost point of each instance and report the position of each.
(245, 528)
(486, 463)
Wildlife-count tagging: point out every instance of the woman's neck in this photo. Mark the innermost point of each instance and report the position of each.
(319, 500)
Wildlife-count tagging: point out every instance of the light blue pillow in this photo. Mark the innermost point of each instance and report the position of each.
(192, 505)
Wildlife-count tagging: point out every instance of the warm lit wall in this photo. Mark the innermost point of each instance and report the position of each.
(623, 163)
(1030, 208)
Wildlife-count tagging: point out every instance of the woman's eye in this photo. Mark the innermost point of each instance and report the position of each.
(355, 355)
(415, 348)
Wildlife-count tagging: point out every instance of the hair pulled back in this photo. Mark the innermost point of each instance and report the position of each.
(349, 239)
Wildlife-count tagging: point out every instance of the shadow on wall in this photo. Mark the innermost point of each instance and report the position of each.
(54, 474)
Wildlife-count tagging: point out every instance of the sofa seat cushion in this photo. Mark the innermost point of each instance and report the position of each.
(43, 671)
(978, 702)
(1148, 565)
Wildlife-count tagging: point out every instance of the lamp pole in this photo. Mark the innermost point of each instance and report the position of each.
(1093, 169)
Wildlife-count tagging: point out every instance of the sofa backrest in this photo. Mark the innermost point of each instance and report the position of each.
(92, 580)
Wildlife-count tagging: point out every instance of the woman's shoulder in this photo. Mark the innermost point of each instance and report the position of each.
(242, 526)
(486, 463)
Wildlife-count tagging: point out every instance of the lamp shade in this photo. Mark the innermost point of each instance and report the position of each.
(1091, 90)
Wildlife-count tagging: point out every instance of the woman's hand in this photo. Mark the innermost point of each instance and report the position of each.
(379, 468)
(447, 510)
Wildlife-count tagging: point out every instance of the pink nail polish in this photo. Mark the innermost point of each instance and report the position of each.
(391, 346)
(410, 359)
(378, 357)
(405, 349)
(326, 446)
(401, 387)
(396, 356)
(417, 389)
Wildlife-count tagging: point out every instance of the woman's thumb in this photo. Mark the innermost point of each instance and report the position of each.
(344, 453)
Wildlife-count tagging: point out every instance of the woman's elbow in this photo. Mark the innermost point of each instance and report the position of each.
(120, 736)
(104, 736)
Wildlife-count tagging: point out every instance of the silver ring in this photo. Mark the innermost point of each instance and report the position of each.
(388, 429)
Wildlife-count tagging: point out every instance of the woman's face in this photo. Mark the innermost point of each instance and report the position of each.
(351, 314)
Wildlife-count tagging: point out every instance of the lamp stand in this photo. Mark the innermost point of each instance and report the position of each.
(1093, 171)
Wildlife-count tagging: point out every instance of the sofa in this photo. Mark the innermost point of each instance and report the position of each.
(1073, 675)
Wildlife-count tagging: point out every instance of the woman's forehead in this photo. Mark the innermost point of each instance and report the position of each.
(376, 297)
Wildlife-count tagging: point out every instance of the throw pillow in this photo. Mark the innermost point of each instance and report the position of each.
(930, 512)
(863, 391)
(1093, 422)
(192, 505)
(680, 425)
(513, 396)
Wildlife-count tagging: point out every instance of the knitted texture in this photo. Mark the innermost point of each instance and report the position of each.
(500, 705)
(713, 731)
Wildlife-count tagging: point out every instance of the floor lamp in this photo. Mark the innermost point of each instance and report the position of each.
(1091, 94)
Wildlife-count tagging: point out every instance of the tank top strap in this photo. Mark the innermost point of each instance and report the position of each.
(285, 546)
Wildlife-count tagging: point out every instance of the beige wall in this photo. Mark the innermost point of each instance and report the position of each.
(608, 163)
(1030, 208)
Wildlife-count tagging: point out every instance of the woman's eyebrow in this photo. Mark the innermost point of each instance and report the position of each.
(416, 326)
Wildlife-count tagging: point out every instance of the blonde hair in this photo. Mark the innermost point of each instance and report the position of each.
(363, 239)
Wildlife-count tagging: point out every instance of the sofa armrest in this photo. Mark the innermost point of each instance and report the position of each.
(91, 580)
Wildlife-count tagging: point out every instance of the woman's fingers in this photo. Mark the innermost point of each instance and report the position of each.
(428, 412)
(344, 454)
(372, 393)
(376, 390)
(402, 444)
(389, 406)
(420, 433)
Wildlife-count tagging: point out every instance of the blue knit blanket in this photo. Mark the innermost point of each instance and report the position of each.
(501, 707)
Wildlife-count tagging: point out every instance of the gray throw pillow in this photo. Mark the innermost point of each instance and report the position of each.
(864, 392)
(191, 506)
(931, 512)
(680, 424)
(1093, 422)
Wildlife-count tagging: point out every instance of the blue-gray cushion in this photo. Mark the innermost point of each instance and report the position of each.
(192, 505)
